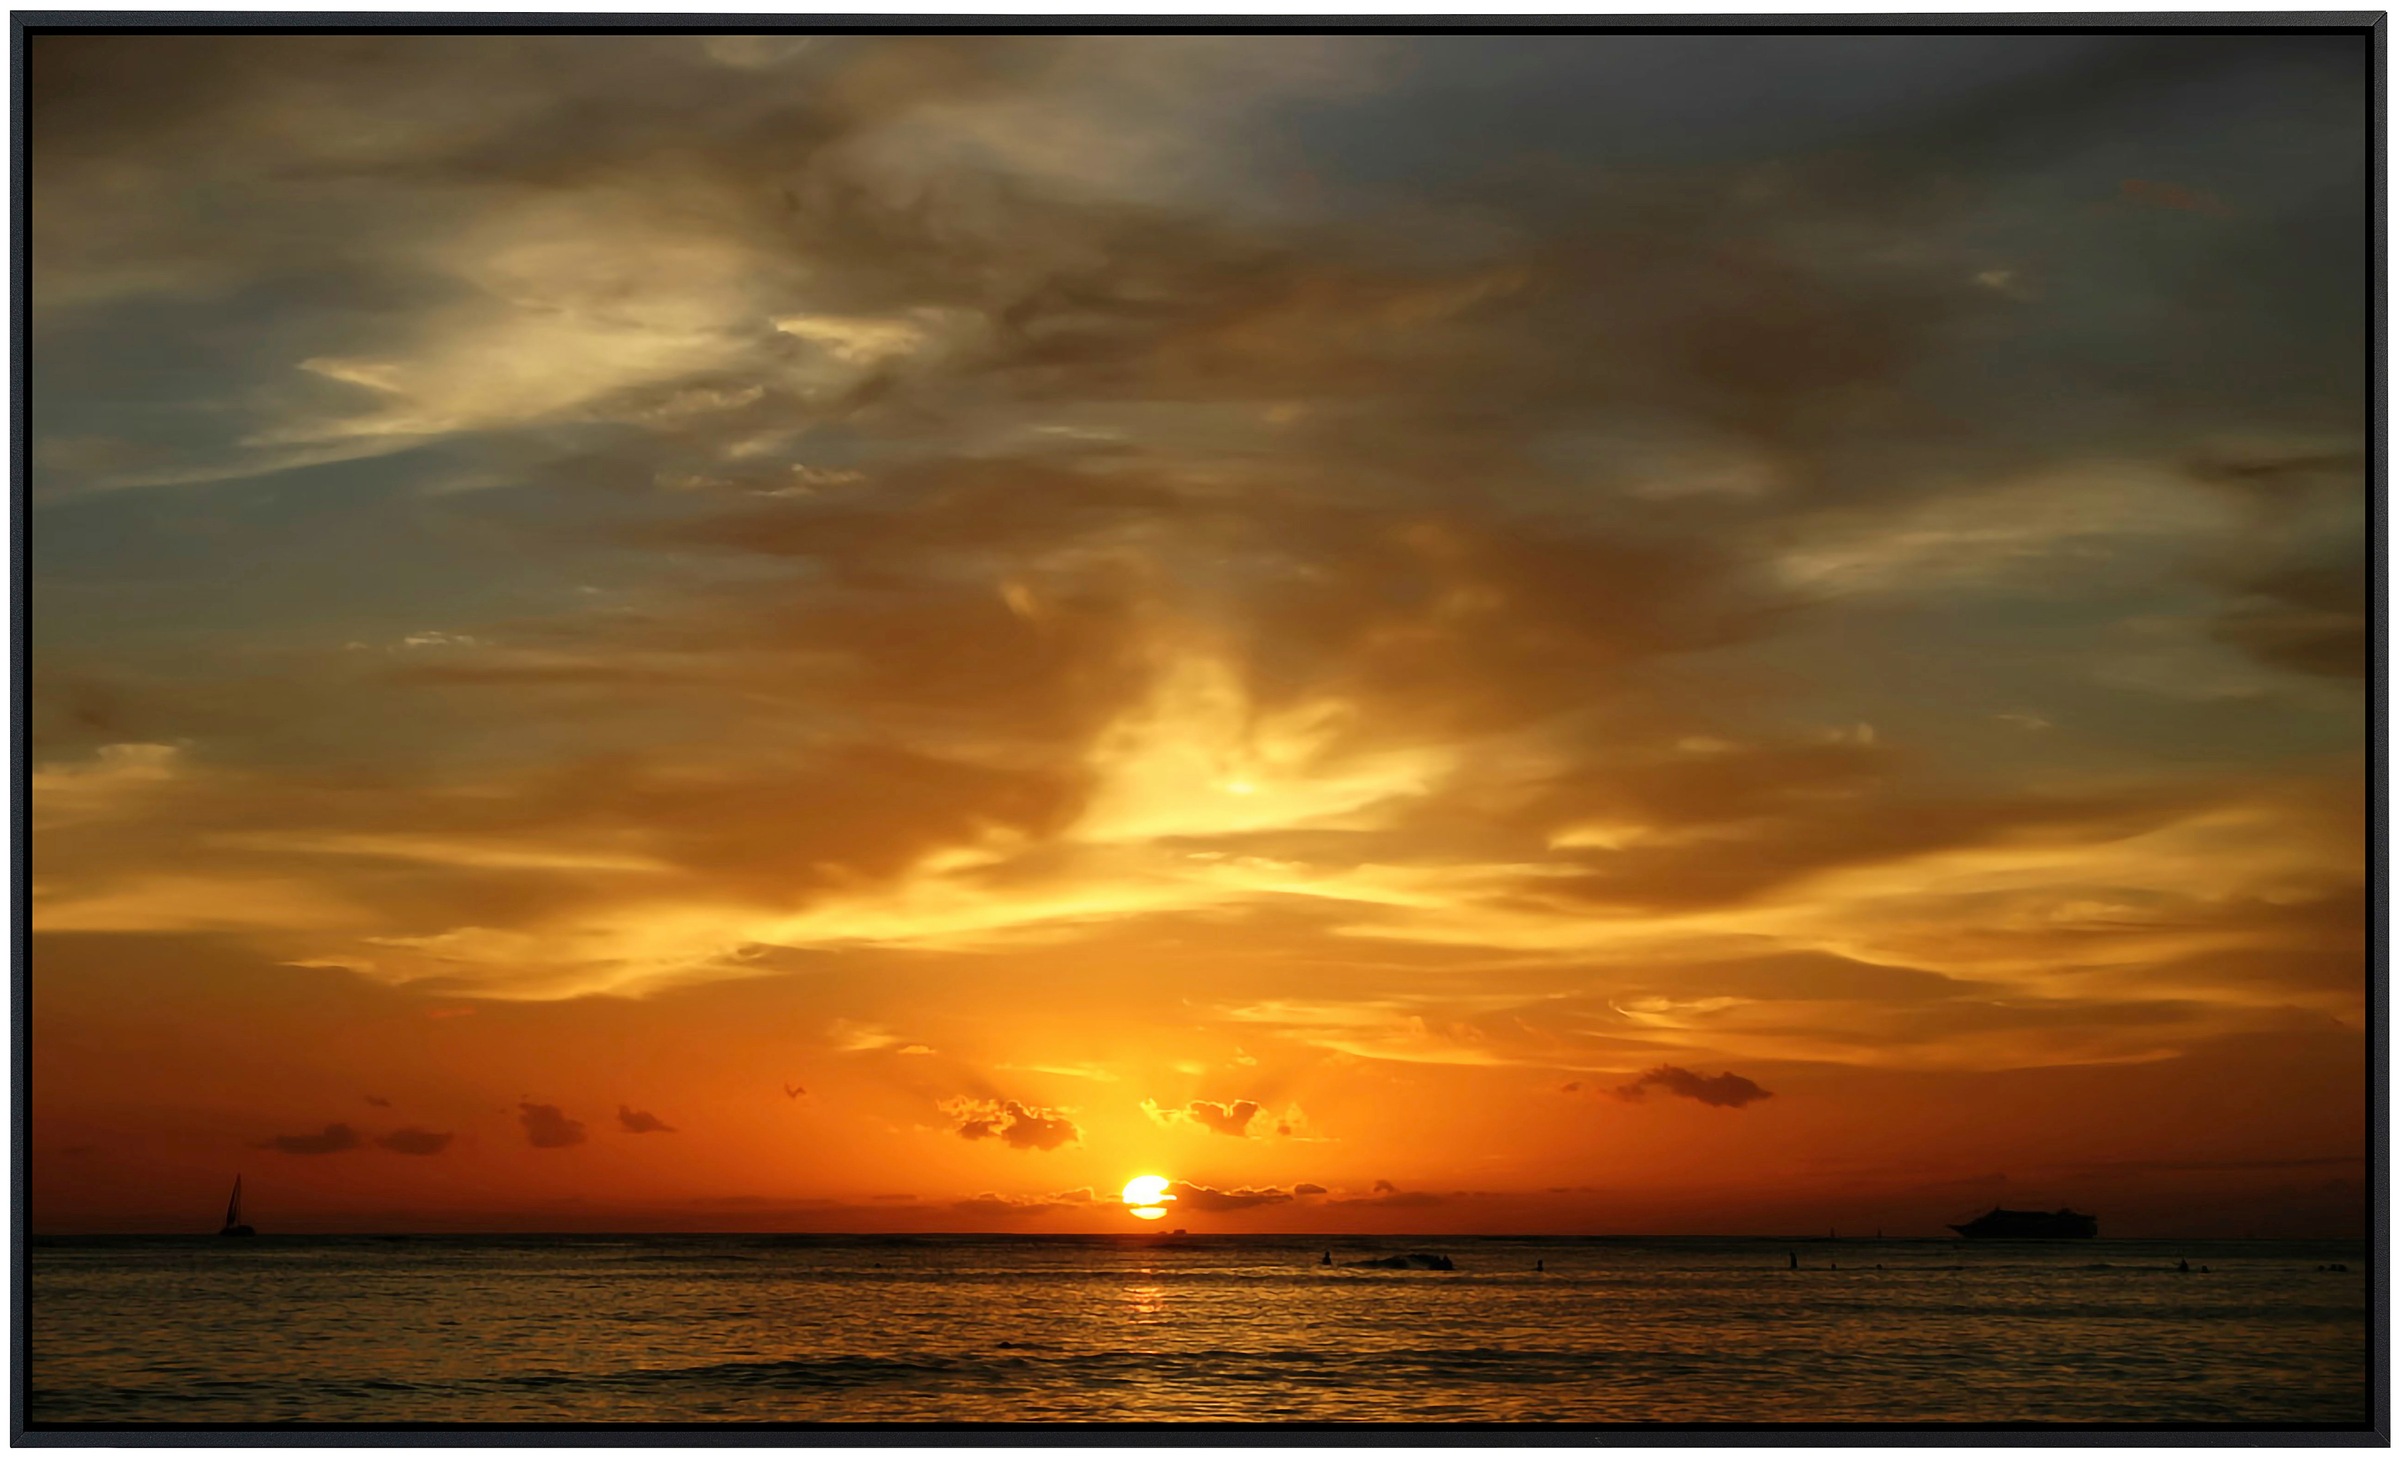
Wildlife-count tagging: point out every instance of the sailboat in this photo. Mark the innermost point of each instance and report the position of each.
(233, 1213)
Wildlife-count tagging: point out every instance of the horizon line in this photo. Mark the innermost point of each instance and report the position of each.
(1146, 1235)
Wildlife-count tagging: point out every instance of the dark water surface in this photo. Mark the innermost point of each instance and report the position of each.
(961, 1328)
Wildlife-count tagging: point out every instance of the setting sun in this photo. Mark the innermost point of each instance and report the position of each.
(1146, 1197)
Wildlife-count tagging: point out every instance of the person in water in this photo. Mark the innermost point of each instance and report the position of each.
(2184, 1266)
(1325, 1259)
(1794, 1257)
(1537, 1268)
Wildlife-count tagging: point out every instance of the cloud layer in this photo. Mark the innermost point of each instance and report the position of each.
(1088, 592)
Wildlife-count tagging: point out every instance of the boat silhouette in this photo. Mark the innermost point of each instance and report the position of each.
(233, 1212)
(1999, 1224)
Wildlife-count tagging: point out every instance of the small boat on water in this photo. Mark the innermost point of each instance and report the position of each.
(233, 1213)
(1999, 1224)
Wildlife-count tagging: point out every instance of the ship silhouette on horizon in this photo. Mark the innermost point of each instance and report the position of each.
(2060, 1224)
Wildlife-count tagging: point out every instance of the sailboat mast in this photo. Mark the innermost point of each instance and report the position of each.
(233, 1211)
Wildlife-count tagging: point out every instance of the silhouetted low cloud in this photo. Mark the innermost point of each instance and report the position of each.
(1722, 1091)
(1308, 1189)
(334, 1139)
(547, 1127)
(415, 1141)
(638, 1121)
(1014, 1124)
(1003, 1206)
(1201, 1197)
(1391, 1196)
(379, 1102)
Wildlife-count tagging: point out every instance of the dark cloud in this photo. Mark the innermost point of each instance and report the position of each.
(1012, 1123)
(333, 1139)
(636, 1121)
(546, 1127)
(414, 1141)
(2294, 587)
(1721, 1091)
(381, 1103)
(875, 810)
(1305, 1188)
(2309, 618)
(1795, 810)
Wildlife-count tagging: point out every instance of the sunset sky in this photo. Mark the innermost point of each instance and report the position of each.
(1562, 633)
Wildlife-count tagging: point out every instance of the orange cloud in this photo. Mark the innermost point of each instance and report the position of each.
(1010, 1122)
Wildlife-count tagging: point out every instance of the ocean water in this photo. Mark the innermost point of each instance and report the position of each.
(812, 1329)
